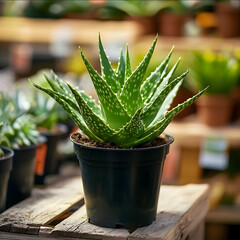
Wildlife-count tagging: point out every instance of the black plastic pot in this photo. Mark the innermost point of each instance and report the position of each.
(51, 163)
(21, 179)
(121, 186)
(5, 168)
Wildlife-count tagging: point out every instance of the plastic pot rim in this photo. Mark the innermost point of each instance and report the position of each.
(170, 141)
(7, 156)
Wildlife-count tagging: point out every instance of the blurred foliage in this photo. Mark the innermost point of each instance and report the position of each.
(16, 127)
(237, 56)
(107, 9)
(46, 8)
(219, 71)
(46, 113)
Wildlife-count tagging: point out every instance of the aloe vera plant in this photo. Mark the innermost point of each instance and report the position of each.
(132, 109)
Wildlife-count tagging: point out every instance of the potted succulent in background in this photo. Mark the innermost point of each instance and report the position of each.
(142, 11)
(219, 72)
(19, 133)
(228, 18)
(172, 20)
(119, 149)
(6, 155)
(47, 115)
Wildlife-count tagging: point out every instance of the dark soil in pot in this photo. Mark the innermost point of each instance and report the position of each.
(50, 163)
(121, 186)
(5, 168)
(22, 175)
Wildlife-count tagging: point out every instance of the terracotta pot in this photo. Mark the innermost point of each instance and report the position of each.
(148, 25)
(214, 110)
(228, 20)
(171, 24)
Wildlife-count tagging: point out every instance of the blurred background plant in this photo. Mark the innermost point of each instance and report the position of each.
(219, 71)
(16, 128)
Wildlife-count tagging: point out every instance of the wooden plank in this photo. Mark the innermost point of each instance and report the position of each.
(186, 43)
(77, 226)
(42, 207)
(180, 209)
(16, 236)
(198, 233)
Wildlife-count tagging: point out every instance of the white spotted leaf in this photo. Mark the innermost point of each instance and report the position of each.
(107, 71)
(93, 121)
(155, 78)
(130, 95)
(113, 110)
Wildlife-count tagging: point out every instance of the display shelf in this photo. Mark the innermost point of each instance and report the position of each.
(186, 43)
(77, 31)
(189, 134)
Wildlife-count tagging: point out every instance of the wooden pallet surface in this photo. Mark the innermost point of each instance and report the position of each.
(180, 210)
(42, 207)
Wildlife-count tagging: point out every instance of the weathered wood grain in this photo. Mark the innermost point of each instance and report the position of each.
(42, 207)
(180, 209)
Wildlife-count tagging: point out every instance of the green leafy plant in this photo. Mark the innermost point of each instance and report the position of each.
(139, 7)
(132, 109)
(216, 70)
(45, 112)
(16, 129)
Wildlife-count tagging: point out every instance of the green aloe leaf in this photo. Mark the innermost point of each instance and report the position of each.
(62, 84)
(113, 110)
(128, 64)
(93, 121)
(172, 113)
(155, 78)
(151, 110)
(121, 70)
(130, 131)
(163, 83)
(167, 102)
(90, 102)
(62, 87)
(130, 95)
(77, 118)
(107, 70)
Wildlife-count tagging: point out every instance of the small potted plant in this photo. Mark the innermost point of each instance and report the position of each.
(47, 115)
(172, 20)
(219, 72)
(227, 16)
(120, 152)
(19, 133)
(6, 155)
(141, 11)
